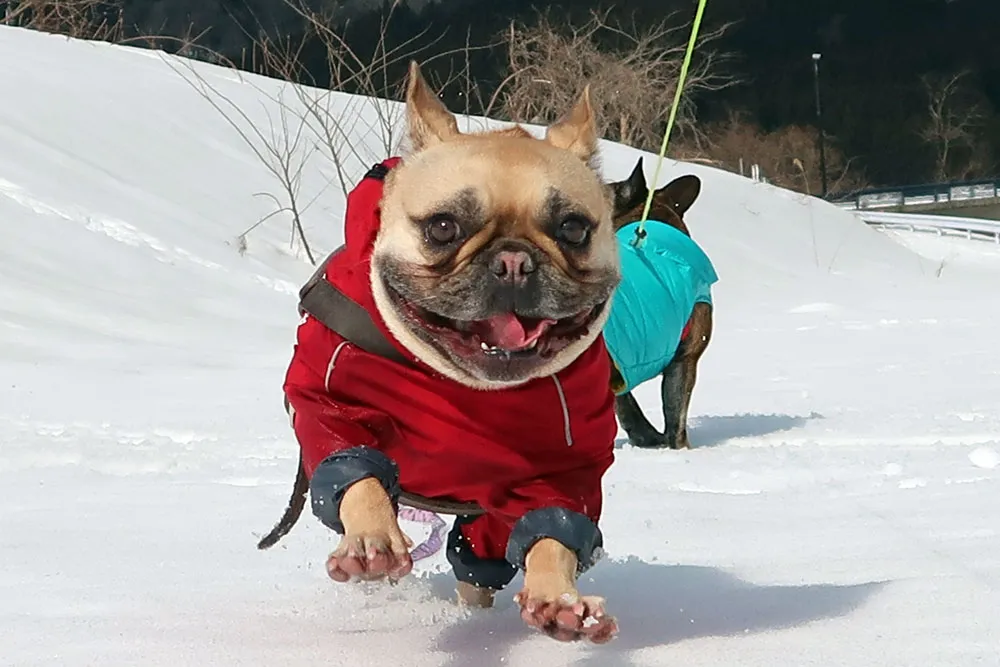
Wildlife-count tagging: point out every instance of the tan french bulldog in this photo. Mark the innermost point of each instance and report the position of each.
(492, 269)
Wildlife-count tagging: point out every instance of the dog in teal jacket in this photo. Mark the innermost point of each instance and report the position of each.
(661, 314)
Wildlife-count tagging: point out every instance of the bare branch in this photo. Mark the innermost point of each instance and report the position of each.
(350, 131)
(954, 117)
(278, 151)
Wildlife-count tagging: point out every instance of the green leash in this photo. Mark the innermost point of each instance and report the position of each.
(640, 232)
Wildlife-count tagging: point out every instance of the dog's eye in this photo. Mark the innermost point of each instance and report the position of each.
(574, 231)
(442, 230)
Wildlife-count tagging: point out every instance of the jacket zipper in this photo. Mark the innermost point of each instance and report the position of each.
(333, 362)
(565, 411)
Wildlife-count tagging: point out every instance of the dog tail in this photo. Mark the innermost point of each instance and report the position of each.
(296, 503)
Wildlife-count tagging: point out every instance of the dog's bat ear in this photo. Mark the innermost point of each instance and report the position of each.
(637, 181)
(428, 120)
(680, 193)
(631, 192)
(637, 173)
(577, 130)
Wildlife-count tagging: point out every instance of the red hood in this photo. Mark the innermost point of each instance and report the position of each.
(350, 269)
(362, 222)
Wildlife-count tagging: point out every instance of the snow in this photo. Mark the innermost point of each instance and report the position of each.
(839, 506)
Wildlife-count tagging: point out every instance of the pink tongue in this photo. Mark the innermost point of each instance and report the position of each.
(506, 331)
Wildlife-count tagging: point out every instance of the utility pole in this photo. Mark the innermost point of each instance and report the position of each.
(819, 123)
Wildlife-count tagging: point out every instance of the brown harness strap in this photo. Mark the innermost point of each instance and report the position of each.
(339, 313)
(321, 300)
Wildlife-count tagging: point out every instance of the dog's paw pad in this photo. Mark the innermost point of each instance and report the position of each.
(572, 618)
(369, 557)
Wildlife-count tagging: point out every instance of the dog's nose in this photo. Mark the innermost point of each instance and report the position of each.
(513, 266)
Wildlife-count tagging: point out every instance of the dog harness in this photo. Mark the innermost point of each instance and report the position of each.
(662, 280)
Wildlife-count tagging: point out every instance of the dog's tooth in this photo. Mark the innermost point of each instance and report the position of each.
(486, 348)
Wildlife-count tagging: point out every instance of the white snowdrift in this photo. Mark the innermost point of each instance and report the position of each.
(837, 507)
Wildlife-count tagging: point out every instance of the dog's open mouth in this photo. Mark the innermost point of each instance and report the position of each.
(506, 335)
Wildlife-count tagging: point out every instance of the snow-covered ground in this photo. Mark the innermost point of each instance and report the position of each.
(839, 506)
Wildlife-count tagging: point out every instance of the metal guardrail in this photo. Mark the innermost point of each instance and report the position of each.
(970, 228)
(919, 195)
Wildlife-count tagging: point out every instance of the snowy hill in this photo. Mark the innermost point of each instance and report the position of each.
(837, 508)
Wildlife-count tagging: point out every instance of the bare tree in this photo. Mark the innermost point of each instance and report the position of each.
(633, 72)
(367, 75)
(282, 147)
(954, 116)
(349, 131)
(373, 78)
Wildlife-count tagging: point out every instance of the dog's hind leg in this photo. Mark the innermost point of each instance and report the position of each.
(640, 432)
(673, 390)
(479, 578)
(679, 377)
(477, 597)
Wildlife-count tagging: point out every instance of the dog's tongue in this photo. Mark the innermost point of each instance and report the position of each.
(508, 332)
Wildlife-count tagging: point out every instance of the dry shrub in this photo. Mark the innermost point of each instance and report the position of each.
(788, 157)
(632, 71)
(82, 19)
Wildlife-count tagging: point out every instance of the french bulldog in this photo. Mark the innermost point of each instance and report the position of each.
(489, 263)
(683, 285)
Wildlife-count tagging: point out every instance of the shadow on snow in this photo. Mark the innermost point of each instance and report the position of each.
(656, 605)
(715, 430)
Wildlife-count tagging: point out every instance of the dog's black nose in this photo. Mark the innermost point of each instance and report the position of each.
(513, 266)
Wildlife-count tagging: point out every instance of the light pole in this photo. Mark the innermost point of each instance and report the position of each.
(819, 123)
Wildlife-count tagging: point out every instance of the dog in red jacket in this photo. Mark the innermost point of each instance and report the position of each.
(487, 260)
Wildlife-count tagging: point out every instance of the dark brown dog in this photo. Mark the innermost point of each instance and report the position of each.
(678, 379)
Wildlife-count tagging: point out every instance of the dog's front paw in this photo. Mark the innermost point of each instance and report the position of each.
(567, 617)
(371, 555)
